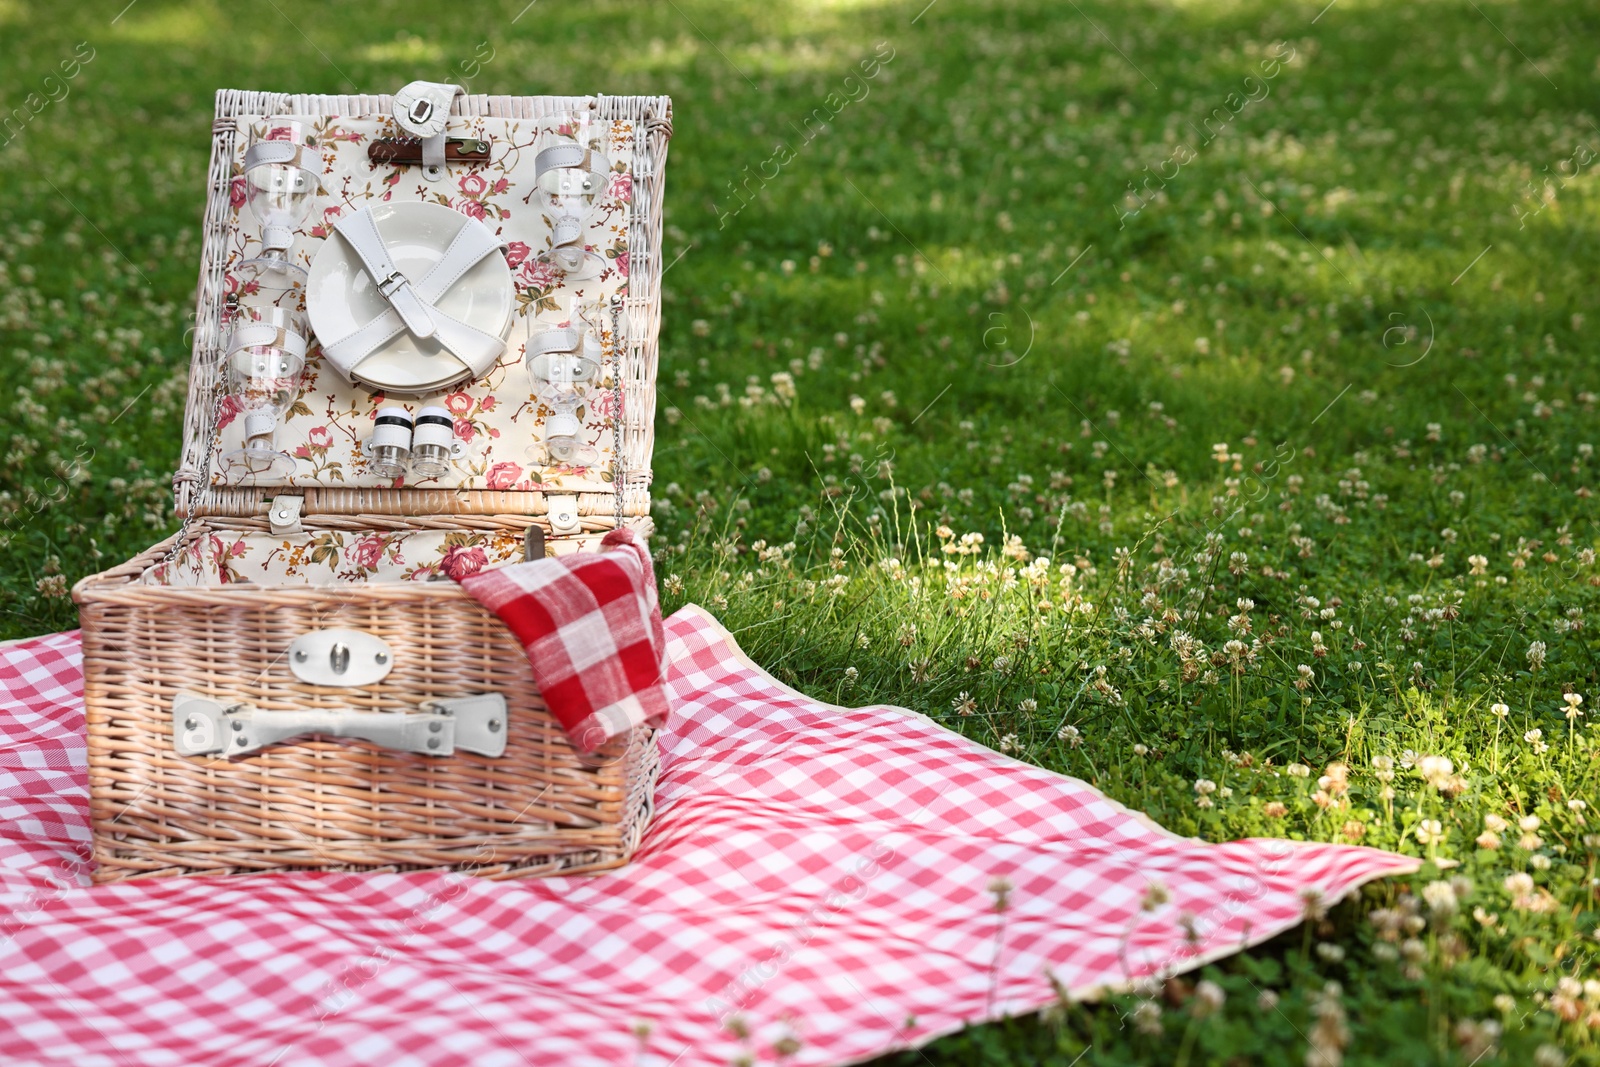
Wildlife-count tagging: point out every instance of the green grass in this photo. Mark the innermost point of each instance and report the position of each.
(1216, 397)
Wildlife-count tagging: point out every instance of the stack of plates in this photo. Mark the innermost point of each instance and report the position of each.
(341, 297)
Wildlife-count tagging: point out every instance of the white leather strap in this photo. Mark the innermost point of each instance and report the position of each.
(433, 157)
(423, 109)
(560, 157)
(284, 154)
(567, 231)
(348, 351)
(276, 238)
(561, 339)
(258, 334)
(283, 515)
(361, 231)
(259, 424)
(262, 152)
(473, 347)
(554, 356)
(219, 729)
(567, 339)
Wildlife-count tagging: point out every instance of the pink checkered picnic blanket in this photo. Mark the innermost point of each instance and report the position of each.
(821, 873)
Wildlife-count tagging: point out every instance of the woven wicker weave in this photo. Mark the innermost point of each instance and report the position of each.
(340, 804)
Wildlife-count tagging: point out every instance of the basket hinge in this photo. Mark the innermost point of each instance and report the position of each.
(563, 513)
(283, 515)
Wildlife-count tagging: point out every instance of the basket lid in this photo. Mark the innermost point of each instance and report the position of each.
(568, 240)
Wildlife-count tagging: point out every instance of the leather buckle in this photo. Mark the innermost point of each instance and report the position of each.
(389, 285)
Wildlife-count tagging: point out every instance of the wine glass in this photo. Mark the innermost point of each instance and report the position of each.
(282, 178)
(261, 371)
(562, 361)
(572, 177)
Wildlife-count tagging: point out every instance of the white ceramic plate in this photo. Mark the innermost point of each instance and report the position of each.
(342, 297)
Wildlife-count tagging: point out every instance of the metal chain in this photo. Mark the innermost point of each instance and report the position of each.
(618, 467)
(227, 310)
(211, 431)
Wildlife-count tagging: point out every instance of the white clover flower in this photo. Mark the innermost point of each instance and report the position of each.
(1500, 710)
(1307, 675)
(1147, 1017)
(1430, 831)
(1441, 897)
(1208, 998)
(1436, 770)
(1519, 884)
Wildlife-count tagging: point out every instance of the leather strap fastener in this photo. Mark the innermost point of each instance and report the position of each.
(422, 108)
(413, 303)
(284, 154)
(361, 231)
(266, 334)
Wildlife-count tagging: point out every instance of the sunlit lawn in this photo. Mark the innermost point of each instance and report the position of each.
(1265, 326)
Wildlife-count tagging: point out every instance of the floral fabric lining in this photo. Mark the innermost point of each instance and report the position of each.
(330, 557)
(497, 418)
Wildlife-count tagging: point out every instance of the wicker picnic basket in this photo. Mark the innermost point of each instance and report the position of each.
(234, 622)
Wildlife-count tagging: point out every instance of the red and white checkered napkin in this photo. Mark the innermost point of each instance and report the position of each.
(817, 871)
(591, 625)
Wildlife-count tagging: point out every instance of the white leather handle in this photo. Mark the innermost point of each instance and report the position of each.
(202, 726)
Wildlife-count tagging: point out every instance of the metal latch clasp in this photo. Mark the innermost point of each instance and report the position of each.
(563, 513)
(283, 515)
(340, 657)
